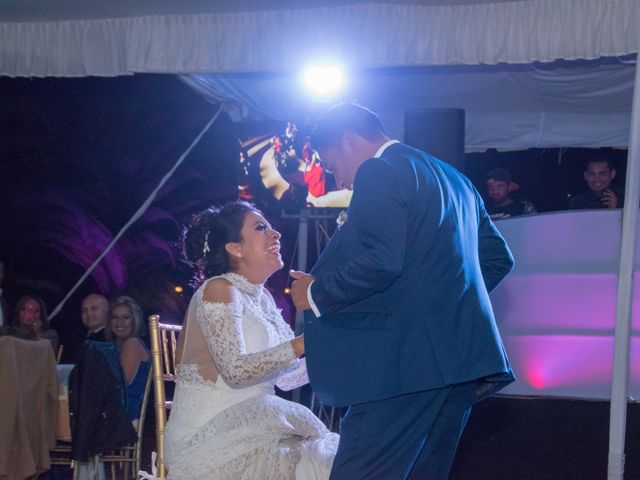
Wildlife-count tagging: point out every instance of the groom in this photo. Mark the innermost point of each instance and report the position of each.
(399, 324)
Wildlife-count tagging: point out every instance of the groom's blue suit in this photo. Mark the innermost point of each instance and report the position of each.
(402, 287)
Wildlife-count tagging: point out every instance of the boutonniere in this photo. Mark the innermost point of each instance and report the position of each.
(342, 218)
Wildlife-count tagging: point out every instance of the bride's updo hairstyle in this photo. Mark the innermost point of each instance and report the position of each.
(203, 241)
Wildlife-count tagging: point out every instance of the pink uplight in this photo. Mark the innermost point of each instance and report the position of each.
(557, 310)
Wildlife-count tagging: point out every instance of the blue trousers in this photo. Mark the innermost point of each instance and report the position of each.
(412, 436)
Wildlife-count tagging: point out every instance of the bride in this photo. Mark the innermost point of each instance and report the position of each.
(226, 421)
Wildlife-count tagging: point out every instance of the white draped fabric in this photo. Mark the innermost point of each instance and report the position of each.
(579, 103)
(101, 41)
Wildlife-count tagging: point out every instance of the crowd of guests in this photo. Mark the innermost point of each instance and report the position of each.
(599, 174)
(119, 322)
(106, 385)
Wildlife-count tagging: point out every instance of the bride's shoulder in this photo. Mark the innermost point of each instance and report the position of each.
(219, 290)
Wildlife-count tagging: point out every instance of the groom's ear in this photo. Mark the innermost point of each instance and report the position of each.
(348, 141)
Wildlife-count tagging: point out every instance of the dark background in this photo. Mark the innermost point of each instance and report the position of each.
(77, 159)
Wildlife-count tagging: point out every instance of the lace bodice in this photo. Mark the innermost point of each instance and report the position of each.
(248, 341)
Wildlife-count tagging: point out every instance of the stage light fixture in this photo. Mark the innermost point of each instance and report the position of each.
(178, 289)
(323, 79)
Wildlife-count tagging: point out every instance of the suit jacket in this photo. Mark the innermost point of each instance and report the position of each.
(402, 287)
(99, 336)
(97, 402)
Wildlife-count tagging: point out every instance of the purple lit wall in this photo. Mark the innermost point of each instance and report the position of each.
(556, 310)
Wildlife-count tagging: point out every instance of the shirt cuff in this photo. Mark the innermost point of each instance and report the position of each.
(312, 304)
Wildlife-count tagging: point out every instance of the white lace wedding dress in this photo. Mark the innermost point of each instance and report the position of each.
(226, 421)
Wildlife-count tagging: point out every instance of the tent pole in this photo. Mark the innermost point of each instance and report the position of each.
(620, 380)
(303, 242)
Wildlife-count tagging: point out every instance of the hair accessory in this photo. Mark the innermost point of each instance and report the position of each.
(205, 247)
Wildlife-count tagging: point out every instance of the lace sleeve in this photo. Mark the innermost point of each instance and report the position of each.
(293, 377)
(221, 325)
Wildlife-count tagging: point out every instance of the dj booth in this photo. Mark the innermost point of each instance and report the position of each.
(556, 311)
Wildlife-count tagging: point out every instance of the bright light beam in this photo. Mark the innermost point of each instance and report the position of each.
(323, 80)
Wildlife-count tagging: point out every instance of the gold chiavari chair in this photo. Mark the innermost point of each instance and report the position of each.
(126, 462)
(128, 459)
(164, 342)
(60, 455)
(59, 353)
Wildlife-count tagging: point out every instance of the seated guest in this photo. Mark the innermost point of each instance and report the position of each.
(599, 174)
(95, 314)
(30, 321)
(125, 326)
(96, 386)
(499, 188)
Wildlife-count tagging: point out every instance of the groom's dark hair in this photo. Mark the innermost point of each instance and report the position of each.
(343, 117)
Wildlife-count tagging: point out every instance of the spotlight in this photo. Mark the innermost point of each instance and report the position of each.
(177, 289)
(323, 79)
(287, 291)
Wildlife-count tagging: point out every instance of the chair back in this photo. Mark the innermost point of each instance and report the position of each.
(129, 458)
(164, 341)
(141, 420)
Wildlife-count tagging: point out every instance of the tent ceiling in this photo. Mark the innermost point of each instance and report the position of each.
(578, 103)
(117, 37)
(46, 10)
(557, 106)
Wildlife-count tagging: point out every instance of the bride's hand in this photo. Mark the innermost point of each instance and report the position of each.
(298, 345)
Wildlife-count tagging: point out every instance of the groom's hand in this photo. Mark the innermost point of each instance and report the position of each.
(299, 288)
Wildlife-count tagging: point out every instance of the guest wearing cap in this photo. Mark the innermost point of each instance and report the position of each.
(500, 204)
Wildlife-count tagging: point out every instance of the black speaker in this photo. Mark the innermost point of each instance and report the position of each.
(438, 131)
